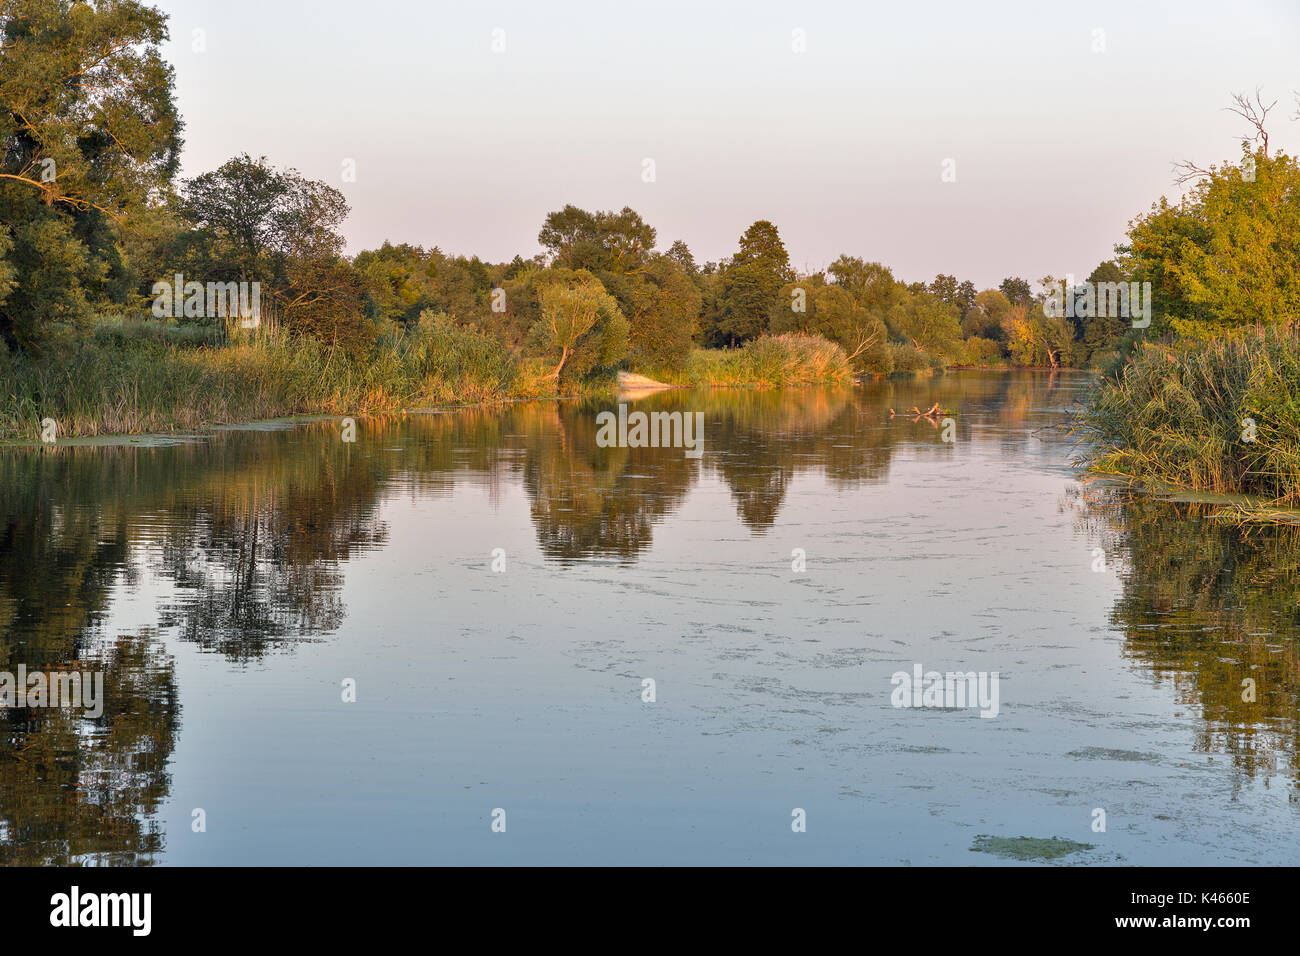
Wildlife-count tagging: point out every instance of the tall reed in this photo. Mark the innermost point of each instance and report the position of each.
(1218, 416)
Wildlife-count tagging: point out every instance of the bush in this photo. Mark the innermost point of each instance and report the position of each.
(908, 358)
(982, 351)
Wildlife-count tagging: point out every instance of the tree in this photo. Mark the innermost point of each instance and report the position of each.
(1098, 332)
(944, 288)
(761, 245)
(89, 130)
(325, 299)
(960, 295)
(966, 297)
(831, 311)
(617, 242)
(871, 284)
(663, 316)
(986, 316)
(929, 324)
(580, 326)
(1228, 253)
(680, 253)
(1034, 337)
(565, 229)
(752, 282)
(264, 216)
(1016, 290)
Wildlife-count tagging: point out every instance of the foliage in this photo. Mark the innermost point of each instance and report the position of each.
(1221, 416)
(1227, 253)
(772, 360)
(90, 130)
(580, 328)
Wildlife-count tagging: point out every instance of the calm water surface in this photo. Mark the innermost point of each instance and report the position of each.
(228, 585)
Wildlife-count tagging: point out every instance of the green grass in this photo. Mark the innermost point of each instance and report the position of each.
(132, 377)
(1181, 414)
(136, 382)
(770, 361)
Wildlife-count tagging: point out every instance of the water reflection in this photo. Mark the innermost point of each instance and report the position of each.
(246, 538)
(1212, 610)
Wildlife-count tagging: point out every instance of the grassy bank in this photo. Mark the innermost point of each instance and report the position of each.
(138, 381)
(1220, 416)
(137, 378)
(772, 361)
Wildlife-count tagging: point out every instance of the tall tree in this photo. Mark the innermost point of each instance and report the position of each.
(1016, 290)
(663, 314)
(752, 282)
(604, 241)
(832, 311)
(266, 216)
(89, 130)
(1228, 253)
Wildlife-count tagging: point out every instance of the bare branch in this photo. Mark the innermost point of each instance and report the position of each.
(1187, 171)
(1254, 114)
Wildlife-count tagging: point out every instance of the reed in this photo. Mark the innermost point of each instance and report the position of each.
(1218, 416)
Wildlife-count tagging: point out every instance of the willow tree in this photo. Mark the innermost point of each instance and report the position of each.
(581, 327)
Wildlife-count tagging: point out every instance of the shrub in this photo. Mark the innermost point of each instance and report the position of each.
(982, 351)
(907, 358)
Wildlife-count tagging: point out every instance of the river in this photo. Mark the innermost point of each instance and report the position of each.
(479, 637)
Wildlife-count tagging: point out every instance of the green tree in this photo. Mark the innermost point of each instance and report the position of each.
(263, 217)
(680, 253)
(617, 242)
(752, 282)
(663, 315)
(325, 298)
(832, 311)
(90, 129)
(1035, 338)
(986, 316)
(580, 326)
(1016, 290)
(1228, 253)
(1100, 333)
(928, 324)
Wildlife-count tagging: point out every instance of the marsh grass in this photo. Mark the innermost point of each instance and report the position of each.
(1182, 414)
(132, 377)
(770, 361)
(133, 382)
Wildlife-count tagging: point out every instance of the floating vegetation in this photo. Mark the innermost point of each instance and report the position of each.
(1027, 848)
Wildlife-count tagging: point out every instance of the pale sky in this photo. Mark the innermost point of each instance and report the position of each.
(1055, 147)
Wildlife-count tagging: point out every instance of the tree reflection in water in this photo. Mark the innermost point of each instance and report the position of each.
(246, 537)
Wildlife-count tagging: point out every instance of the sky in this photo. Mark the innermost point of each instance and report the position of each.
(976, 139)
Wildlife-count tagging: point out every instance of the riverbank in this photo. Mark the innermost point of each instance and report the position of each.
(130, 380)
(1220, 417)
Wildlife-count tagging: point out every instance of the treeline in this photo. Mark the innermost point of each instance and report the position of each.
(673, 304)
(94, 222)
